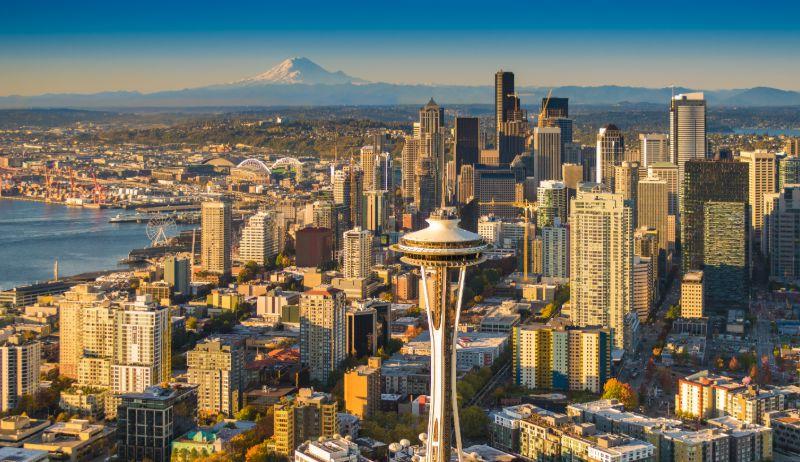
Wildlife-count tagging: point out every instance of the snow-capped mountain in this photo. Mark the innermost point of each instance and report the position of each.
(300, 71)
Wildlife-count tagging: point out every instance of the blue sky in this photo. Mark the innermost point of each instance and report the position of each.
(100, 46)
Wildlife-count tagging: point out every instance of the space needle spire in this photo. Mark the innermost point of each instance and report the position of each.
(440, 248)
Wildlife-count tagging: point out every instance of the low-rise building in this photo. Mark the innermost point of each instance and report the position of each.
(76, 440)
(328, 450)
(785, 426)
(16, 430)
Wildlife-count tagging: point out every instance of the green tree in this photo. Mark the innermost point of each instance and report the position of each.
(474, 422)
(191, 323)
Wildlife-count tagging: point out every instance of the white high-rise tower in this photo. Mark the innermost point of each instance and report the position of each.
(440, 247)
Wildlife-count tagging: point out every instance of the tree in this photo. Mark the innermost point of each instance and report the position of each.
(673, 313)
(474, 422)
(191, 323)
(247, 413)
(621, 391)
(733, 364)
(262, 453)
(248, 272)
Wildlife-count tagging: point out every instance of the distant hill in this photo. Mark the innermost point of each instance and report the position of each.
(301, 82)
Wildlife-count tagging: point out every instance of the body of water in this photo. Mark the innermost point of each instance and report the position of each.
(768, 131)
(34, 234)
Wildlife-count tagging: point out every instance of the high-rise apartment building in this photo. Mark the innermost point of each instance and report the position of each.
(216, 366)
(726, 253)
(555, 252)
(626, 180)
(547, 153)
(362, 389)
(555, 107)
(693, 295)
(643, 286)
(322, 331)
(552, 203)
(687, 130)
(652, 208)
(143, 349)
(215, 253)
(553, 356)
(71, 306)
(19, 370)
(762, 172)
(310, 415)
(358, 258)
(610, 153)
(258, 243)
(705, 181)
(601, 258)
(653, 148)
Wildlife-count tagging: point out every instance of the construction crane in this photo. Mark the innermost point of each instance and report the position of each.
(543, 112)
(527, 207)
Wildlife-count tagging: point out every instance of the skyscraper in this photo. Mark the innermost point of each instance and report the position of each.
(409, 156)
(783, 231)
(368, 161)
(669, 173)
(437, 249)
(377, 213)
(601, 256)
(626, 182)
(216, 366)
(653, 148)
(762, 170)
(610, 153)
(555, 252)
(705, 181)
(19, 370)
(467, 141)
(258, 240)
(495, 184)
(552, 198)
(653, 207)
(504, 97)
(70, 318)
(357, 253)
(322, 331)
(216, 237)
(788, 171)
(348, 191)
(726, 253)
(143, 355)
(177, 273)
(310, 415)
(555, 107)
(687, 130)
(547, 153)
(431, 122)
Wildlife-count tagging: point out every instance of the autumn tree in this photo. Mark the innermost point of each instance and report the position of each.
(622, 392)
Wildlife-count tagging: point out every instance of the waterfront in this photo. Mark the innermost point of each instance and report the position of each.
(34, 234)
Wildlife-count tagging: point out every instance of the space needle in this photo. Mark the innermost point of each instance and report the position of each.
(441, 247)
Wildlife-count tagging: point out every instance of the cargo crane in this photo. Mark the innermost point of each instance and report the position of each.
(527, 207)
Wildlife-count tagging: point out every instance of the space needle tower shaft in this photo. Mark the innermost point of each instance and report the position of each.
(442, 250)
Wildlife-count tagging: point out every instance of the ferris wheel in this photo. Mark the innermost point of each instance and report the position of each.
(160, 229)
